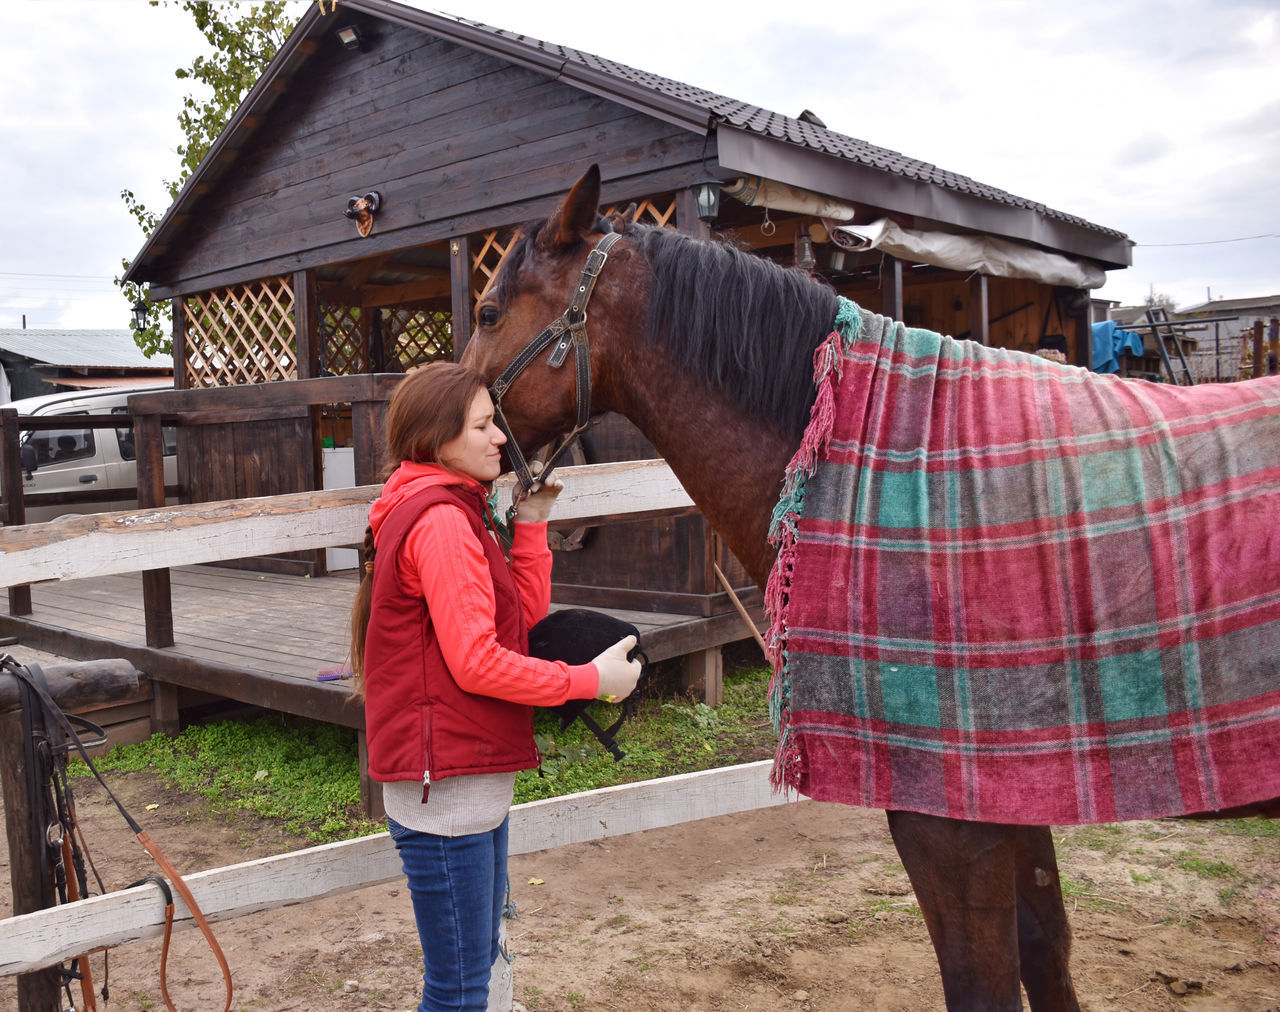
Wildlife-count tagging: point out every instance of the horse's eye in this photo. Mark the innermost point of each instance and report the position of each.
(488, 316)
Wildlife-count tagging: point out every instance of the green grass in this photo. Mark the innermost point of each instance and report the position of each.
(664, 737)
(305, 774)
(1205, 869)
(302, 773)
(1256, 828)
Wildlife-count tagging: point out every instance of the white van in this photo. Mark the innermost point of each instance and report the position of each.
(77, 458)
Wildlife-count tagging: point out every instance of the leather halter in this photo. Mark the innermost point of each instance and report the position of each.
(569, 330)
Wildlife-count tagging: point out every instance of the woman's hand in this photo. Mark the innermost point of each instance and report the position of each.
(618, 676)
(536, 509)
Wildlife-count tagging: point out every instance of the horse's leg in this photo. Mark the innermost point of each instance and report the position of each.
(1044, 936)
(963, 877)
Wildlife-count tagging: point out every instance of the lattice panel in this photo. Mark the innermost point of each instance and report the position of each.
(241, 334)
(485, 259)
(660, 211)
(414, 336)
(343, 349)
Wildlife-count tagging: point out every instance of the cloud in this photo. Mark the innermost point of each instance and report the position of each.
(1158, 118)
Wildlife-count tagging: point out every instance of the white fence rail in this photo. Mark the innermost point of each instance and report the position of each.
(109, 543)
(32, 941)
(106, 543)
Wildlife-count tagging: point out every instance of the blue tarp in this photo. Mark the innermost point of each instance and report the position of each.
(1110, 341)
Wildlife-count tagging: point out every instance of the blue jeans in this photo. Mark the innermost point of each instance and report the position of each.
(458, 885)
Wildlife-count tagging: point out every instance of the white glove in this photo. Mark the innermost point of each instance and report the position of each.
(618, 676)
(537, 508)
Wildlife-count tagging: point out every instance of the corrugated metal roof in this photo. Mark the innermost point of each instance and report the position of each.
(755, 119)
(676, 102)
(102, 349)
(1232, 305)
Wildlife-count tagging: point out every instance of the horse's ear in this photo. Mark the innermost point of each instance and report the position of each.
(576, 216)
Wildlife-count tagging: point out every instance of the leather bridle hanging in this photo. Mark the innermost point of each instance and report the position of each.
(569, 330)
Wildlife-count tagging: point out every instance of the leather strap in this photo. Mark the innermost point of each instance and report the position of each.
(32, 675)
(567, 331)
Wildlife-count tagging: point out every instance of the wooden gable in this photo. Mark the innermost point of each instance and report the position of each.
(453, 139)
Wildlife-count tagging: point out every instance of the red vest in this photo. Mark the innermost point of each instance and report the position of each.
(413, 707)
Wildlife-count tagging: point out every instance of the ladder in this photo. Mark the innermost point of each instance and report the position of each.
(1164, 331)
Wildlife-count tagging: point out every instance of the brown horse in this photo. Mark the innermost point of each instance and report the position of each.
(728, 423)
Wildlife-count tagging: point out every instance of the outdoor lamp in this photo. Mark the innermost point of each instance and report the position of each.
(804, 252)
(706, 193)
(140, 315)
(349, 36)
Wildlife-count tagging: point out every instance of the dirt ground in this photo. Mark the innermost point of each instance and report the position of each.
(801, 907)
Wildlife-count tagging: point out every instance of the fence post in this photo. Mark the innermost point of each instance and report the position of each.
(15, 508)
(156, 596)
(76, 684)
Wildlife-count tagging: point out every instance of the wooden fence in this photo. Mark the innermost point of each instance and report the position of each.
(181, 535)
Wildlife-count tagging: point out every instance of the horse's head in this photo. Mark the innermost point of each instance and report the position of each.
(534, 287)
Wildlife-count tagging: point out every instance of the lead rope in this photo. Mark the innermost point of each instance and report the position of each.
(32, 676)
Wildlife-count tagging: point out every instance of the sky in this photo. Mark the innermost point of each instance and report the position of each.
(1160, 118)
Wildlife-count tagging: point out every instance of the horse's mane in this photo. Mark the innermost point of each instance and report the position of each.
(742, 324)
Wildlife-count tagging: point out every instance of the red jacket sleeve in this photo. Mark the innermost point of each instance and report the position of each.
(442, 561)
(531, 567)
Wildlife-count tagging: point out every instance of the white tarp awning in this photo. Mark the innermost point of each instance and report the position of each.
(1000, 258)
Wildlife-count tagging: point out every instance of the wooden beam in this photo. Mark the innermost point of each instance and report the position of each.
(687, 220)
(306, 324)
(754, 236)
(76, 685)
(157, 595)
(150, 539)
(34, 940)
(460, 288)
(891, 286)
(15, 504)
(380, 296)
(32, 891)
(283, 393)
(979, 309)
(179, 354)
(359, 271)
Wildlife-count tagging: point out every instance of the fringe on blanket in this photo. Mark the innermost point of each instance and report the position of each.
(828, 359)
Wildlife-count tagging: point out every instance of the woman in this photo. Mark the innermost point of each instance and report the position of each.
(439, 639)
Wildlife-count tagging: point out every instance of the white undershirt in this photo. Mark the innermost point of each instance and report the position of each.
(456, 806)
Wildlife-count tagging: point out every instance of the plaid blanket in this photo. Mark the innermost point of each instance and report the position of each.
(1009, 590)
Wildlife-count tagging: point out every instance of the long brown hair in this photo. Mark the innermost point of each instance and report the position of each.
(428, 409)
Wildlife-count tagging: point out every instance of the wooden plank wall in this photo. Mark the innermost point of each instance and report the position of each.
(661, 564)
(1017, 307)
(243, 459)
(441, 131)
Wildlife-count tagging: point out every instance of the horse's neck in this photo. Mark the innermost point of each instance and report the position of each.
(732, 467)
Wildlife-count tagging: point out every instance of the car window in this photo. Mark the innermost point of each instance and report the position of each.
(128, 446)
(124, 438)
(54, 446)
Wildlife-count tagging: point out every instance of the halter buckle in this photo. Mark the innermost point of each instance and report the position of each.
(561, 351)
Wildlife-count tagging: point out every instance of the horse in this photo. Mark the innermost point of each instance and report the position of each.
(710, 351)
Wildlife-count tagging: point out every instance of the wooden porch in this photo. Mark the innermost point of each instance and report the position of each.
(89, 587)
(263, 638)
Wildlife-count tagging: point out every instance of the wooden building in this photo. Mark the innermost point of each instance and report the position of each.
(41, 360)
(359, 199)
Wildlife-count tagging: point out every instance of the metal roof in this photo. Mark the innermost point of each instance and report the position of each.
(702, 108)
(1257, 302)
(752, 140)
(94, 349)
